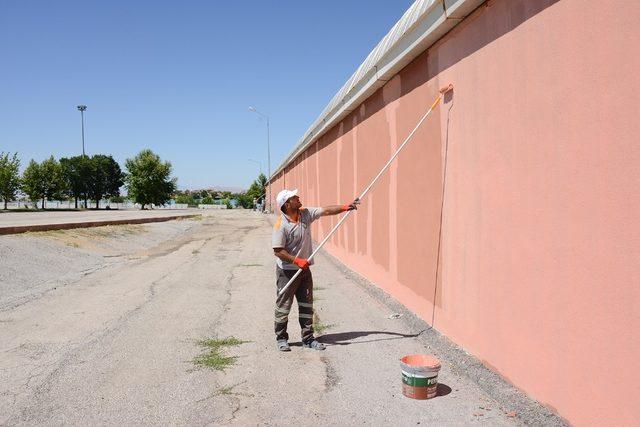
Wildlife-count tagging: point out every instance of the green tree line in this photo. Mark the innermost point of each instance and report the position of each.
(147, 179)
(247, 199)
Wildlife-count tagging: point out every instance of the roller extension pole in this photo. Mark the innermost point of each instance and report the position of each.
(373, 182)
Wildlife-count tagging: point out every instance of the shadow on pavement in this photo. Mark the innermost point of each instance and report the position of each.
(443, 390)
(344, 338)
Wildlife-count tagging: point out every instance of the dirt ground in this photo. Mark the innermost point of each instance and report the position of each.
(104, 326)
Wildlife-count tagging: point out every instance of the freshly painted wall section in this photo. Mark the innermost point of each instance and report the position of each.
(537, 272)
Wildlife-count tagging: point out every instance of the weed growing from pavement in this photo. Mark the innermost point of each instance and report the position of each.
(320, 327)
(230, 390)
(250, 265)
(224, 342)
(225, 391)
(214, 358)
(319, 288)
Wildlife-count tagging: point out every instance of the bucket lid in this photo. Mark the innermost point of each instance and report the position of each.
(421, 360)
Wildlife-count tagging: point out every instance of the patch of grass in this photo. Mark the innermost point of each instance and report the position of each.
(319, 288)
(225, 391)
(214, 343)
(230, 390)
(215, 358)
(250, 265)
(195, 251)
(320, 327)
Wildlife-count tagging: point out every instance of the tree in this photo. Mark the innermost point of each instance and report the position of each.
(106, 178)
(9, 177)
(185, 197)
(32, 182)
(257, 189)
(54, 185)
(243, 199)
(76, 172)
(149, 179)
(44, 180)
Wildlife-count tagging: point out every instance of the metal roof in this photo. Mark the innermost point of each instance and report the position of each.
(421, 26)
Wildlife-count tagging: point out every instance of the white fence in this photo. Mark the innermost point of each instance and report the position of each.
(57, 204)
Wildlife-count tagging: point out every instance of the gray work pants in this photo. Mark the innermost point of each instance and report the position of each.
(302, 289)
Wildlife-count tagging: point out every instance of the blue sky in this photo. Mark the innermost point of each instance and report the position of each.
(178, 77)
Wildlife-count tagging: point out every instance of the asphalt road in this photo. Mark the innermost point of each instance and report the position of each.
(115, 345)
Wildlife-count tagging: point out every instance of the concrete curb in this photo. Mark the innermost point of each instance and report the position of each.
(69, 225)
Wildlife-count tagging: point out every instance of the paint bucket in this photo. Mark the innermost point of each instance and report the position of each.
(420, 376)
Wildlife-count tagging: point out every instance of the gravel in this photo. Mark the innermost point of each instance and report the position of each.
(34, 263)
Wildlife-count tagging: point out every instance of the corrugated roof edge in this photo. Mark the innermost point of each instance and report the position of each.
(420, 27)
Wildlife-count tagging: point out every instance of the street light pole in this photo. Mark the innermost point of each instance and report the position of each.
(253, 109)
(81, 108)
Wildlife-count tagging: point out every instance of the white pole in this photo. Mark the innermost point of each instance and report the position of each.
(366, 190)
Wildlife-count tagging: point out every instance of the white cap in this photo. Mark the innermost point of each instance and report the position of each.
(285, 195)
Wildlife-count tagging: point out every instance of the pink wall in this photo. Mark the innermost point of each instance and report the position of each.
(539, 272)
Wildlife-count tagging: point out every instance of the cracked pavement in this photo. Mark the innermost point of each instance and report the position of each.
(115, 345)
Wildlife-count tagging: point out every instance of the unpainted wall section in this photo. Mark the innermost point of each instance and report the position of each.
(537, 155)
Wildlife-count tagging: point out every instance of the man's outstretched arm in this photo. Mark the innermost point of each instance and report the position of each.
(336, 209)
